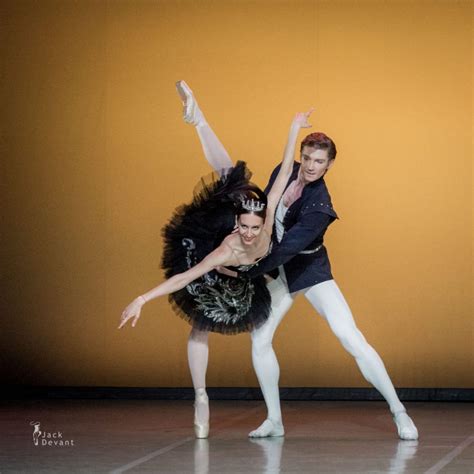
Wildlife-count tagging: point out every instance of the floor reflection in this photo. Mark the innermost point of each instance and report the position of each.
(271, 449)
(406, 450)
(201, 456)
(268, 456)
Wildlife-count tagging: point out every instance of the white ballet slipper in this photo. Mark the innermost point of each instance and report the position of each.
(405, 426)
(268, 428)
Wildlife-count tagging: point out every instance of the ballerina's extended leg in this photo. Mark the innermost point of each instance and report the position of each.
(214, 150)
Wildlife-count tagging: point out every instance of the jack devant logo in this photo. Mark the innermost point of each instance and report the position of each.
(49, 438)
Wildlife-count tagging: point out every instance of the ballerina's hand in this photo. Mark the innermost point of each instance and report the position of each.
(132, 311)
(301, 118)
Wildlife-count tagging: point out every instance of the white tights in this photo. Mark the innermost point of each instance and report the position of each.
(329, 302)
(325, 297)
(214, 151)
(198, 356)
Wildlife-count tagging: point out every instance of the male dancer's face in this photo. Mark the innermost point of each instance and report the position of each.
(314, 163)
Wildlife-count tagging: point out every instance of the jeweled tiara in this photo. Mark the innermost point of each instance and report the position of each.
(252, 205)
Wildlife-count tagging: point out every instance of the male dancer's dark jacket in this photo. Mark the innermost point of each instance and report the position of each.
(305, 224)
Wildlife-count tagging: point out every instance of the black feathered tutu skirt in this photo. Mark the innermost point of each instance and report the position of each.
(214, 302)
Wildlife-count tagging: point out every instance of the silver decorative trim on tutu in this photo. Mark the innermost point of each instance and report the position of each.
(223, 301)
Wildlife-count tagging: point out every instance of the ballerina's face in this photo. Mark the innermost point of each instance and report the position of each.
(249, 227)
(314, 163)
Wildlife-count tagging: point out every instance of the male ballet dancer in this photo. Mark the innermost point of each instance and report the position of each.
(300, 264)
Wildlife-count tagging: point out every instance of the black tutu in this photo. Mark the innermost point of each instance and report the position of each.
(214, 302)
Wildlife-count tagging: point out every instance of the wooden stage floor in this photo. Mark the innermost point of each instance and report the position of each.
(156, 436)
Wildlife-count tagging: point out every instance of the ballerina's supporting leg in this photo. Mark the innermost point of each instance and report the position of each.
(198, 356)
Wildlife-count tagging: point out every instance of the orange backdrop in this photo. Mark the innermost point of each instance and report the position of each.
(96, 156)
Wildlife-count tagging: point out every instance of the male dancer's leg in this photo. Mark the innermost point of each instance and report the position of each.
(328, 300)
(264, 359)
(198, 356)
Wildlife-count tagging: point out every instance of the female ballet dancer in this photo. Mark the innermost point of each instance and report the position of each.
(200, 239)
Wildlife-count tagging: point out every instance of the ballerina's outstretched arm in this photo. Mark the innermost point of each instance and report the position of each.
(221, 256)
(300, 121)
(214, 150)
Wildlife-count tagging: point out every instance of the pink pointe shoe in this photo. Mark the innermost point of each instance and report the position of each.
(201, 430)
(191, 112)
